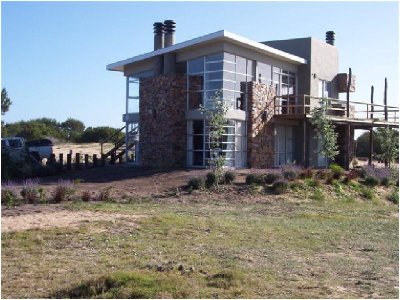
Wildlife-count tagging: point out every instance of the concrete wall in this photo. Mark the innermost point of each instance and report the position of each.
(323, 61)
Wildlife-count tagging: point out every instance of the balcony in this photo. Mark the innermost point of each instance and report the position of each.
(340, 111)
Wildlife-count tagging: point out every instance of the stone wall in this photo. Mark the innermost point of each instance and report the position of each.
(162, 121)
(260, 128)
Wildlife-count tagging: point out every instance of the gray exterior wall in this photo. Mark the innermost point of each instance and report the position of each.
(323, 61)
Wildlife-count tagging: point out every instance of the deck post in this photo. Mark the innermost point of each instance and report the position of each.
(347, 135)
(305, 164)
(386, 111)
(385, 100)
(371, 130)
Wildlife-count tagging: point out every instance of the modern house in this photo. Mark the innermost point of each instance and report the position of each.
(270, 89)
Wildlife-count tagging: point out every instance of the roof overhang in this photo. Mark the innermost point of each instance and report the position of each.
(219, 36)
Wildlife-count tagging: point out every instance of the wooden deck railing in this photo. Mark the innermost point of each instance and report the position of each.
(303, 105)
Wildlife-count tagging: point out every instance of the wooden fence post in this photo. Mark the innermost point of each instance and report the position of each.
(112, 160)
(87, 161)
(94, 160)
(103, 160)
(77, 161)
(69, 160)
(120, 159)
(52, 160)
(60, 161)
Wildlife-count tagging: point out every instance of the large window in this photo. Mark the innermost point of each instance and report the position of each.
(221, 71)
(283, 145)
(233, 143)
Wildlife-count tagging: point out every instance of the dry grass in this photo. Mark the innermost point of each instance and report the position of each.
(275, 247)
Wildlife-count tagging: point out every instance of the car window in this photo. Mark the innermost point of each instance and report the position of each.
(3, 144)
(15, 143)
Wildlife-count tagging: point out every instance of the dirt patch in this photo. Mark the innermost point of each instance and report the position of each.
(45, 217)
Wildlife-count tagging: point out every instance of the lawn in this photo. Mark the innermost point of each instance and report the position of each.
(205, 246)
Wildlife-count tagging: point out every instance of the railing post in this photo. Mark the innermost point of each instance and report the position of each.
(348, 94)
(385, 99)
(371, 130)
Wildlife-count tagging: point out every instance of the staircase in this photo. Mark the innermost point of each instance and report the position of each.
(119, 149)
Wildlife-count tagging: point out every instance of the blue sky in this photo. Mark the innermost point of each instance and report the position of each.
(54, 54)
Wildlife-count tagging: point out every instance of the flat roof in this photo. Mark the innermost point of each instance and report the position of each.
(221, 35)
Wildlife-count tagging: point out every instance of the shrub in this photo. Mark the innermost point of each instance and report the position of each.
(211, 179)
(8, 197)
(196, 183)
(63, 191)
(394, 196)
(105, 194)
(229, 177)
(254, 179)
(371, 180)
(352, 174)
(291, 172)
(86, 196)
(290, 175)
(337, 171)
(367, 193)
(29, 192)
(330, 180)
(306, 173)
(313, 182)
(271, 178)
(321, 174)
(385, 181)
(279, 187)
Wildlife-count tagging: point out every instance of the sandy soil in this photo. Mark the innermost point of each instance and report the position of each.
(86, 148)
(49, 216)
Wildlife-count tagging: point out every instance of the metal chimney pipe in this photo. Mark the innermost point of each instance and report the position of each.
(158, 35)
(330, 38)
(169, 27)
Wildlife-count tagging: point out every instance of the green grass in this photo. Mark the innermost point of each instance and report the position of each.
(325, 248)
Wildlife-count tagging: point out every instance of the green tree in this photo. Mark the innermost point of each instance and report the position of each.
(362, 149)
(5, 101)
(73, 128)
(325, 130)
(390, 144)
(215, 115)
(98, 134)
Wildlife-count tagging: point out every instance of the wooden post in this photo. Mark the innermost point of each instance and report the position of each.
(87, 161)
(120, 159)
(94, 160)
(347, 157)
(77, 161)
(348, 94)
(386, 112)
(371, 130)
(69, 160)
(305, 140)
(60, 161)
(112, 160)
(52, 159)
(385, 100)
(103, 160)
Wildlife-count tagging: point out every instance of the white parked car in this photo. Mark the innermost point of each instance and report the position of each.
(38, 149)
